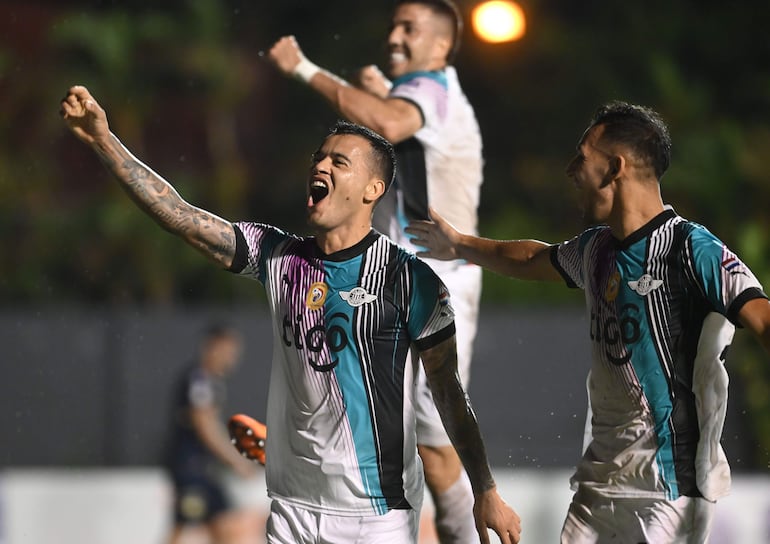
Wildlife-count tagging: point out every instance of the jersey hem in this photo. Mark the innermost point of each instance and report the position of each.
(348, 512)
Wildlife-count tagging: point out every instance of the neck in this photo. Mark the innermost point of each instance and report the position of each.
(341, 238)
(632, 211)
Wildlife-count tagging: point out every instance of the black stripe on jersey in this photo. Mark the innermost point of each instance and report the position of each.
(554, 254)
(749, 294)
(678, 310)
(383, 381)
(241, 257)
(410, 157)
(436, 338)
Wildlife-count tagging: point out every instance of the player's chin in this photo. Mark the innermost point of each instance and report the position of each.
(397, 69)
(313, 218)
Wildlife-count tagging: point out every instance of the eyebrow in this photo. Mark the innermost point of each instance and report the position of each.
(338, 155)
(335, 155)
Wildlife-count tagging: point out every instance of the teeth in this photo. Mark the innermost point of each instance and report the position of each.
(397, 57)
(318, 191)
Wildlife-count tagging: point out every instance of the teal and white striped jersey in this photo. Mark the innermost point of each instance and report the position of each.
(662, 306)
(441, 166)
(341, 427)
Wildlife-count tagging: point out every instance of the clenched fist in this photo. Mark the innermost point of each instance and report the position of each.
(84, 116)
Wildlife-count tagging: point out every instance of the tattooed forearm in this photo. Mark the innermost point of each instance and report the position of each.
(210, 234)
(440, 364)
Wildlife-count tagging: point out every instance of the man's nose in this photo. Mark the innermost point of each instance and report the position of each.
(323, 165)
(394, 37)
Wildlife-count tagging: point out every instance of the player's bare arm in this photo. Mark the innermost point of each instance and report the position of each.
(522, 259)
(207, 424)
(393, 118)
(755, 316)
(490, 510)
(208, 233)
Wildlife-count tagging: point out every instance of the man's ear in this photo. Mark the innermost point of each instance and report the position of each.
(617, 163)
(374, 190)
(443, 47)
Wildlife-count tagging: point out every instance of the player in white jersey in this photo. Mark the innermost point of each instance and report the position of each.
(663, 297)
(427, 117)
(347, 306)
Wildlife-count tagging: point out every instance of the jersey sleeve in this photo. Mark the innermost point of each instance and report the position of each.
(726, 282)
(429, 92)
(254, 244)
(430, 317)
(568, 258)
(200, 392)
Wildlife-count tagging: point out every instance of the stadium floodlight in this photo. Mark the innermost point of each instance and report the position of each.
(498, 21)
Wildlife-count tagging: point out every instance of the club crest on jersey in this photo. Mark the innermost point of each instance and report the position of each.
(613, 286)
(357, 296)
(645, 285)
(316, 295)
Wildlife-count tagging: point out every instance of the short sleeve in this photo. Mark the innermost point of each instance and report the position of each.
(200, 392)
(429, 92)
(568, 258)
(430, 319)
(726, 282)
(254, 243)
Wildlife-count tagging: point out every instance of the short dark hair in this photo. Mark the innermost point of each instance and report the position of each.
(383, 156)
(639, 128)
(219, 329)
(448, 9)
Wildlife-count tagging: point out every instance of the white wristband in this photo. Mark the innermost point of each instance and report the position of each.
(305, 70)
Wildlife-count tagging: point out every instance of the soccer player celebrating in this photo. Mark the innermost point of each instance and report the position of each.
(347, 306)
(425, 114)
(664, 296)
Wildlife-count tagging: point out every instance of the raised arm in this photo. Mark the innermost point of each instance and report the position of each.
(213, 236)
(393, 118)
(522, 259)
(490, 510)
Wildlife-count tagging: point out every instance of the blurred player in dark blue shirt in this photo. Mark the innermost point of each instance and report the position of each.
(200, 448)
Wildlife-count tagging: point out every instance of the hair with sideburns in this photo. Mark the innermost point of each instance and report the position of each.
(639, 128)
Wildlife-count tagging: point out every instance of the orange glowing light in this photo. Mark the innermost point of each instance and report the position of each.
(498, 21)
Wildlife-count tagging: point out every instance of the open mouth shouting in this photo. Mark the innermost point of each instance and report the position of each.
(319, 189)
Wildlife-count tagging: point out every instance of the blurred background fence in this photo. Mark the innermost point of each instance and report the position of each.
(86, 395)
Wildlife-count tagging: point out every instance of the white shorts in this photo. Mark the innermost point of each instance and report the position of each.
(288, 524)
(596, 519)
(464, 284)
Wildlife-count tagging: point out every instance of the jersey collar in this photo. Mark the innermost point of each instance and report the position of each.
(646, 229)
(436, 75)
(349, 252)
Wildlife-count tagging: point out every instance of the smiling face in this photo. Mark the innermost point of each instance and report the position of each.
(592, 172)
(419, 40)
(342, 188)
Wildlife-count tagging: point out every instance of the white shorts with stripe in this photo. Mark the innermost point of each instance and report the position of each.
(594, 518)
(289, 524)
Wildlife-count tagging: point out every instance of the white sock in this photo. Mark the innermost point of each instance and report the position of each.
(454, 513)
